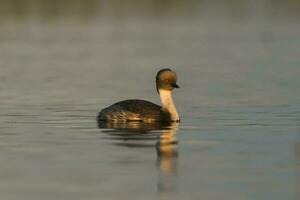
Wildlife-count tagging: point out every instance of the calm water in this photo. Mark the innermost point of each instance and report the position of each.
(239, 103)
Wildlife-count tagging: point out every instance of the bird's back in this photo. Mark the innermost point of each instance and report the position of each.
(134, 110)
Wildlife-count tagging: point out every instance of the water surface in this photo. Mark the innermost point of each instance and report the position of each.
(239, 102)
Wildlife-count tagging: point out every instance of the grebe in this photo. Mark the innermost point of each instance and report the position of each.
(145, 111)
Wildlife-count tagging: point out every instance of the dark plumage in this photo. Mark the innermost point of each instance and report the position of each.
(134, 110)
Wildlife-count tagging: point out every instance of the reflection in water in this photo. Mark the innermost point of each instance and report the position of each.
(167, 160)
(141, 134)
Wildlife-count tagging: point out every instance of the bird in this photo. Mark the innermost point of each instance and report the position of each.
(136, 110)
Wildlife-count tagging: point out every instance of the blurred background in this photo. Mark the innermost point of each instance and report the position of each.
(238, 67)
(46, 44)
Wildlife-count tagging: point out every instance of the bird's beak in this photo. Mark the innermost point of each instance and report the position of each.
(174, 85)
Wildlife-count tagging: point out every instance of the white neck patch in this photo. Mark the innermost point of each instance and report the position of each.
(168, 103)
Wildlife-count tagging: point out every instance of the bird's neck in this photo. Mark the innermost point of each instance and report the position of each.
(168, 103)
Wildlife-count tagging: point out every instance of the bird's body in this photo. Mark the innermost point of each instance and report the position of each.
(134, 110)
(141, 110)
